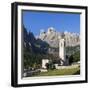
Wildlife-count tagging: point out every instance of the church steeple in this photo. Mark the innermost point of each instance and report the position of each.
(62, 51)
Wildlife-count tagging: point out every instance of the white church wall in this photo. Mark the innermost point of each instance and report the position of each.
(62, 49)
(44, 61)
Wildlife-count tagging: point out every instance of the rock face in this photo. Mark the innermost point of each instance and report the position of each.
(51, 37)
(72, 39)
(32, 44)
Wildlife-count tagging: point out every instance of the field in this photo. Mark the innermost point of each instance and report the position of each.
(72, 71)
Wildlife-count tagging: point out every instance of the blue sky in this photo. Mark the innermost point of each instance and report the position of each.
(35, 21)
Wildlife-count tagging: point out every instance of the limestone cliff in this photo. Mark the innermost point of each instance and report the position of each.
(52, 35)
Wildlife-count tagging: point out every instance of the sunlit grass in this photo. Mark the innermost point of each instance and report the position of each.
(72, 71)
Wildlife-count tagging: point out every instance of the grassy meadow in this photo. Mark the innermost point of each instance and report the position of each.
(56, 72)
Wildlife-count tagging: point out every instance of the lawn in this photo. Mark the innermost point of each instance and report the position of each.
(72, 71)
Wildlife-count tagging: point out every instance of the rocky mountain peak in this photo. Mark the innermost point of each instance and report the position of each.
(52, 37)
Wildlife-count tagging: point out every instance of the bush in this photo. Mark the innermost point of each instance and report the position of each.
(50, 66)
(74, 58)
(71, 59)
(47, 65)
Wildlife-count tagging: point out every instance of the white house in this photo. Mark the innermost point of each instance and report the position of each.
(44, 61)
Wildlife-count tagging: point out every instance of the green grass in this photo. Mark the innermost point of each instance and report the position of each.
(73, 71)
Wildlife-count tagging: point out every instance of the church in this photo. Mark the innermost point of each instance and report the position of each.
(62, 55)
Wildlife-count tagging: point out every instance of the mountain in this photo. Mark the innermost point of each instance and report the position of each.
(34, 50)
(46, 46)
(72, 50)
(32, 44)
(51, 36)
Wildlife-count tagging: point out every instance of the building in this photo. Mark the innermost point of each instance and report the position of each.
(60, 41)
(62, 52)
(44, 62)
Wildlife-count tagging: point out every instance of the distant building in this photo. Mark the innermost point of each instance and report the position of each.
(44, 62)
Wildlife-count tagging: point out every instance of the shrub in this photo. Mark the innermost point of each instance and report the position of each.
(50, 66)
(74, 57)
